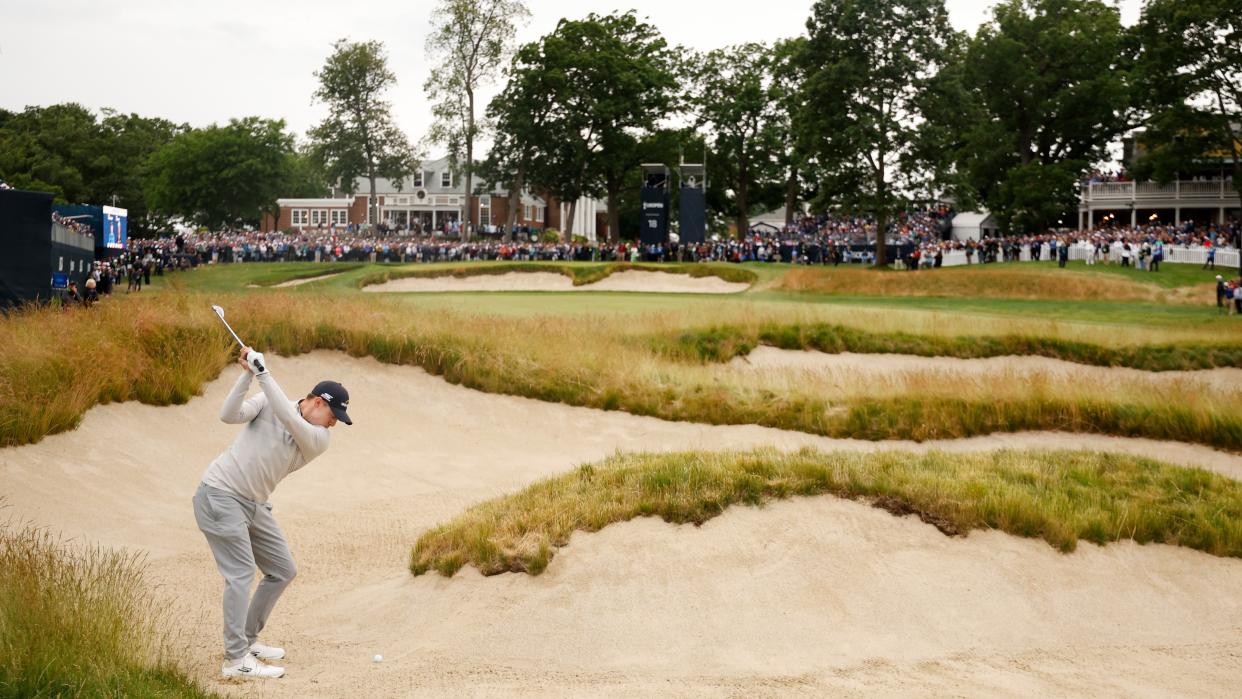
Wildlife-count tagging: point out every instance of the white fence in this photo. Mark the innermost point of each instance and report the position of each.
(1227, 257)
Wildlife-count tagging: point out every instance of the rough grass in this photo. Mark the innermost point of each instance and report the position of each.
(162, 349)
(1006, 282)
(581, 274)
(1061, 497)
(80, 622)
(722, 343)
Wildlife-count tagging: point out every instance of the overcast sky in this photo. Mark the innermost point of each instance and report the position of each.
(203, 62)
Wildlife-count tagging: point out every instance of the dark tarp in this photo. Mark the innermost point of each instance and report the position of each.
(25, 246)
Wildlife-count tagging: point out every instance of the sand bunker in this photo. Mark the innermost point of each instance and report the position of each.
(629, 280)
(859, 366)
(811, 596)
(295, 282)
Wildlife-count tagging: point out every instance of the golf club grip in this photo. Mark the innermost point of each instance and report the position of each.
(259, 365)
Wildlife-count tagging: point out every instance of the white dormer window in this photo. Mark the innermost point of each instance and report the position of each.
(418, 178)
(446, 179)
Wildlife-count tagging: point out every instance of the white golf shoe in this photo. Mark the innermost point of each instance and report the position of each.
(263, 652)
(249, 666)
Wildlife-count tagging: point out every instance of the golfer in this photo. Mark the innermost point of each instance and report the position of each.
(232, 510)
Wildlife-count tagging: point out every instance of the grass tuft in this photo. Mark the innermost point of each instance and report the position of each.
(1062, 497)
(80, 621)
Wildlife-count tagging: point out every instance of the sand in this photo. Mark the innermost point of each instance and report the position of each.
(804, 597)
(295, 282)
(857, 367)
(629, 280)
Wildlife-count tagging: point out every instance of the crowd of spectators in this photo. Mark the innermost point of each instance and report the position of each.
(73, 225)
(1102, 176)
(916, 239)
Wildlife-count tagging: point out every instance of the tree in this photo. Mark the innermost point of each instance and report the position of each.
(222, 175)
(359, 137)
(608, 80)
(131, 140)
(788, 95)
(733, 97)
(1190, 73)
(472, 40)
(1043, 91)
(66, 150)
(867, 64)
(520, 114)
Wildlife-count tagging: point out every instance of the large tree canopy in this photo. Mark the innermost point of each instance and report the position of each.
(359, 138)
(471, 40)
(607, 80)
(65, 149)
(867, 66)
(734, 97)
(1039, 94)
(223, 176)
(1189, 82)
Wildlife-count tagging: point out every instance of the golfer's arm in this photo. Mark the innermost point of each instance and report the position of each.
(235, 411)
(312, 440)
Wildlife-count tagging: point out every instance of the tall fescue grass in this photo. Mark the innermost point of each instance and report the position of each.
(1061, 497)
(581, 274)
(79, 621)
(980, 282)
(58, 363)
(162, 349)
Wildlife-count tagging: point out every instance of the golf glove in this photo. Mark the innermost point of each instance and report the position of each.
(256, 362)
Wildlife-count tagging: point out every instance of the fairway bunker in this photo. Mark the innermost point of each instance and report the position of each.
(855, 367)
(294, 282)
(831, 596)
(627, 281)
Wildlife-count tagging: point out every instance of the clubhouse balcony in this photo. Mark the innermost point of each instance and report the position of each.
(1201, 201)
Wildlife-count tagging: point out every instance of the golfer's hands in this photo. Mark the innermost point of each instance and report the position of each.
(253, 361)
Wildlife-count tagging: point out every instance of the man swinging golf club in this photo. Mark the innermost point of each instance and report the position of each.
(231, 505)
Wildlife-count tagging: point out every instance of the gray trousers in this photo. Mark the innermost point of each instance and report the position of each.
(243, 533)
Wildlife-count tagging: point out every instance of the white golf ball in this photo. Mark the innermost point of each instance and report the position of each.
(378, 658)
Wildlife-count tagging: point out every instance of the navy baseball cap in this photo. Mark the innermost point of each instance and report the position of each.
(337, 398)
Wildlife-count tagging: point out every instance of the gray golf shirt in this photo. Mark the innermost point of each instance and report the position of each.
(275, 442)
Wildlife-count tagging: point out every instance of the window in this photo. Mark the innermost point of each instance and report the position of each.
(539, 214)
(299, 217)
(485, 211)
(446, 179)
(340, 217)
(418, 178)
(319, 217)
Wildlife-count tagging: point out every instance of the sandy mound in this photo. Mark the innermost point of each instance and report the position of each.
(295, 282)
(666, 283)
(858, 366)
(808, 596)
(630, 280)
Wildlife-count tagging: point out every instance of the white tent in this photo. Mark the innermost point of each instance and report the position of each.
(973, 225)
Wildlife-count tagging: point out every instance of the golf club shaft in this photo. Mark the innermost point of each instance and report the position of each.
(258, 365)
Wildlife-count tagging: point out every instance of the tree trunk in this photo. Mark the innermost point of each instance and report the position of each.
(743, 196)
(791, 194)
(466, 235)
(614, 209)
(881, 216)
(515, 200)
(373, 203)
(573, 211)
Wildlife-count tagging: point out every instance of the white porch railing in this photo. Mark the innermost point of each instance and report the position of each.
(1193, 190)
(1226, 258)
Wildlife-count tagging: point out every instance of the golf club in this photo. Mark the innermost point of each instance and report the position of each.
(220, 312)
